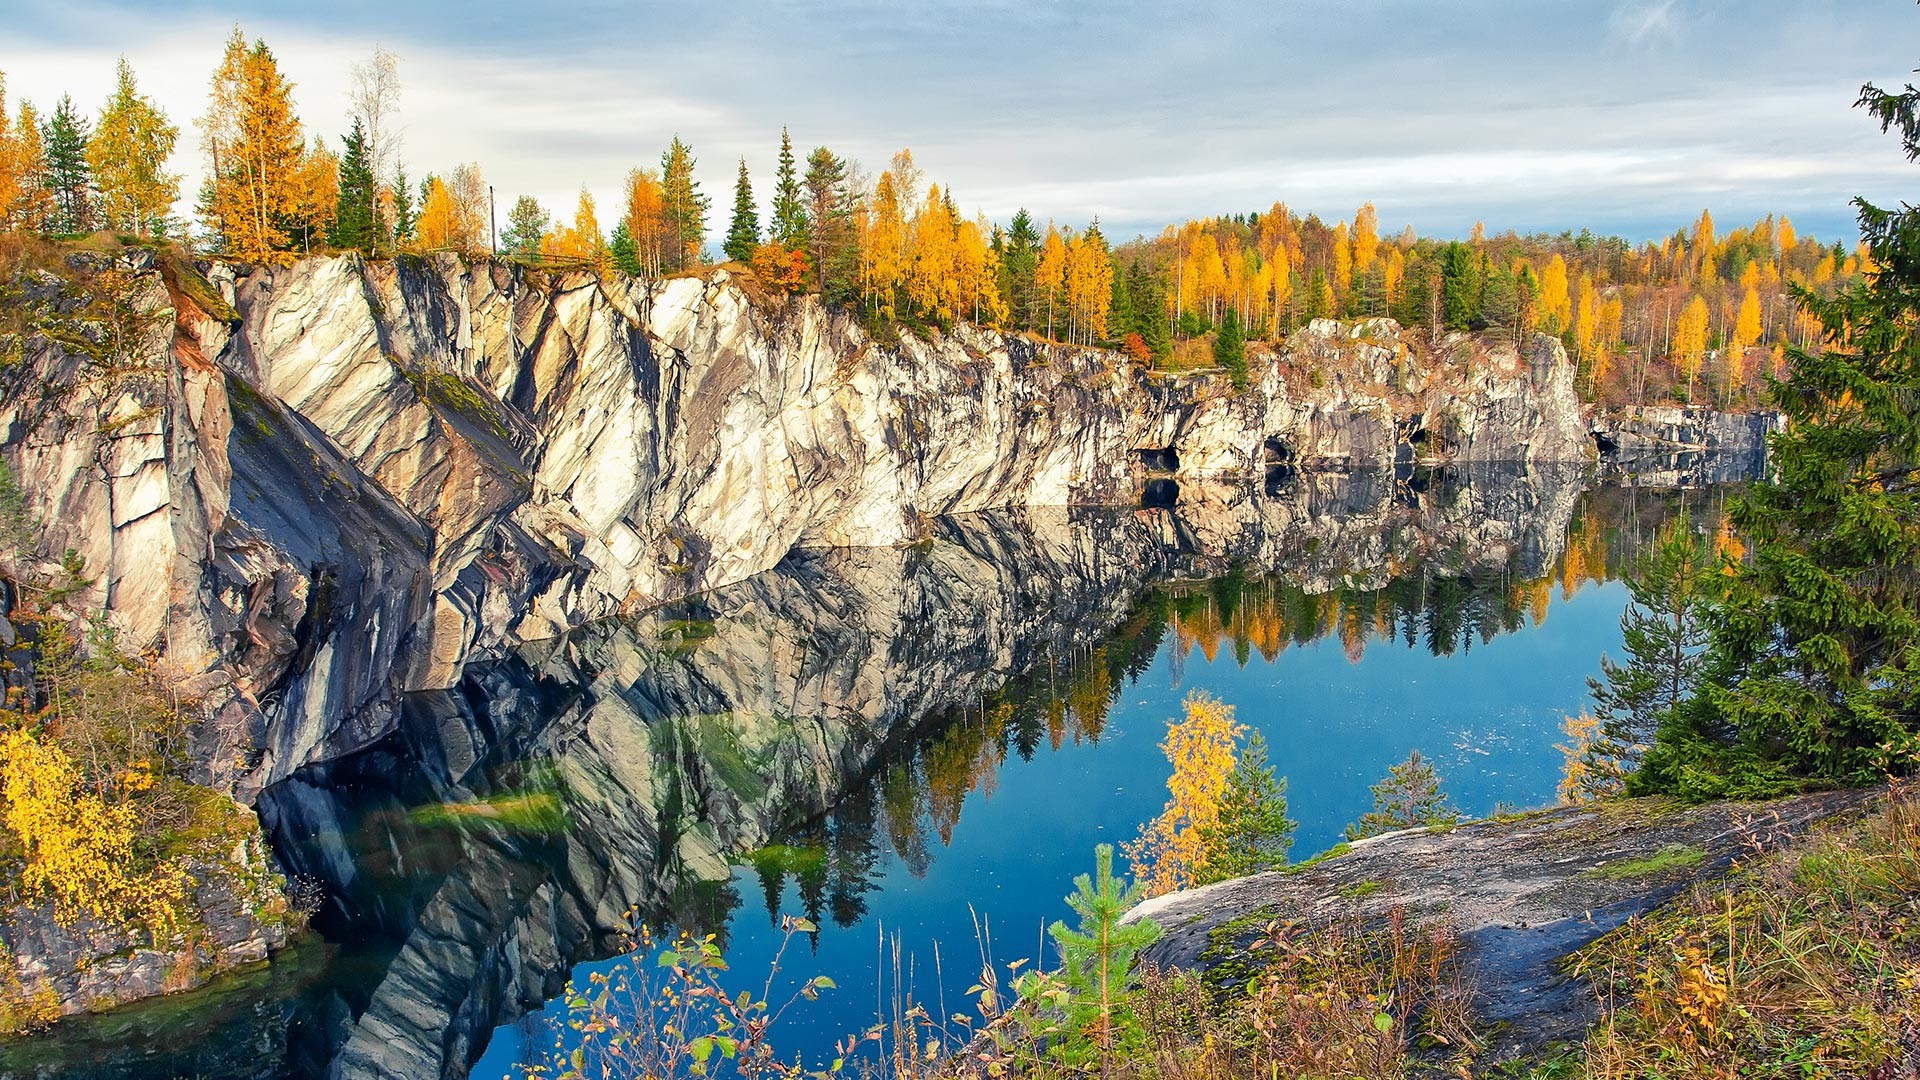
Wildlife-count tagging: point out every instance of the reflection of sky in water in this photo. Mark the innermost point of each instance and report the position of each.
(1488, 717)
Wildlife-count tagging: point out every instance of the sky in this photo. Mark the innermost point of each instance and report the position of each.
(1623, 116)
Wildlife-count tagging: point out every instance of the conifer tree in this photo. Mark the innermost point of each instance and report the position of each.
(1230, 347)
(743, 235)
(684, 208)
(1150, 311)
(66, 174)
(1409, 797)
(355, 225)
(1097, 959)
(789, 212)
(1018, 266)
(1814, 668)
(1253, 832)
(405, 208)
(623, 252)
(829, 210)
(128, 156)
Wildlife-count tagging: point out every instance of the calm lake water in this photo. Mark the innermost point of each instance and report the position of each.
(903, 746)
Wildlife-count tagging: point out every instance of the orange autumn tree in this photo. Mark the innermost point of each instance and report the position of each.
(1202, 748)
(266, 192)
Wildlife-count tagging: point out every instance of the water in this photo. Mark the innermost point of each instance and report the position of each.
(905, 746)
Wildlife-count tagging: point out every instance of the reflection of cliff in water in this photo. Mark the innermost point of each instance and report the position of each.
(800, 719)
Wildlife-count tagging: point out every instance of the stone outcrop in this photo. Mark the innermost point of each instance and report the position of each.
(1520, 896)
(235, 913)
(326, 485)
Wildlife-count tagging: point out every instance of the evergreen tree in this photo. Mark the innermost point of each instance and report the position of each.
(1460, 286)
(405, 209)
(1408, 798)
(1230, 347)
(623, 252)
(1253, 832)
(66, 175)
(1814, 667)
(789, 212)
(743, 235)
(685, 208)
(1319, 297)
(1500, 302)
(354, 224)
(1665, 630)
(1097, 959)
(830, 237)
(1150, 311)
(1120, 318)
(527, 225)
(1017, 267)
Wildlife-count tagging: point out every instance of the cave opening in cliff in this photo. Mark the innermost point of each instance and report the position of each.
(1278, 451)
(1159, 459)
(1605, 443)
(1279, 479)
(1161, 493)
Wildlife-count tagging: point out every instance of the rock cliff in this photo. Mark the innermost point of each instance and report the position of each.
(326, 485)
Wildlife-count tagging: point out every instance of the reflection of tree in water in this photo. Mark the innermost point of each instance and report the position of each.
(919, 788)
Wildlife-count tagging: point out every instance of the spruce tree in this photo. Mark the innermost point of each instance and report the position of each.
(1017, 268)
(743, 235)
(354, 224)
(1150, 311)
(405, 209)
(1814, 670)
(1253, 832)
(1230, 347)
(67, 176)
(623, 252)
(789, 212)
(1409, 797)
(1119, 305)
(1460, 286)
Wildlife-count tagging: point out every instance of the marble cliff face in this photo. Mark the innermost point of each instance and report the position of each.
(328, 485)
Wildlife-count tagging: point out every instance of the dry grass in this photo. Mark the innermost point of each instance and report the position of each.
(1806, 963)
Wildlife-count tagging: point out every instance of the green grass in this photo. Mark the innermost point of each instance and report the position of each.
(1671, 857)
(1361, 888)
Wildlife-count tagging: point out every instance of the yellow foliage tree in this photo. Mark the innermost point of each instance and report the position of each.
(256, 156)
(454, 215)
(1050, 276)
(1201, 748)
(1690, 341)
(1366, 238)
(128, 155)
(1555, 305)
(79, 849)
(1342, 263)
(646, 218)
(581, 241)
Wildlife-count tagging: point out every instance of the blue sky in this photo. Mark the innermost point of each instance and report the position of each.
(1623, 115)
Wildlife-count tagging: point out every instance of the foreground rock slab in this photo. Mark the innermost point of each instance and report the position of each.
(1522, 894)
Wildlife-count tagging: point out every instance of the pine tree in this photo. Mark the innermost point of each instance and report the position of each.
(1409, 797)
(1230, 347)
(1253, 832)
(355, 226)
(684, 207)
(1097, 960)
(1665, 630)
(1150, 311)
(1460, 285)
(829, 209)
(789, 212)
(128, 156)
(743, 235)
(66, 174)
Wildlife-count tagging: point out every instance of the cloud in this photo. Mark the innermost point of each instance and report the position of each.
(1516, 112)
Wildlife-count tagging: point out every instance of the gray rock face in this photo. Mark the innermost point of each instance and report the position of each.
(376, 473)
